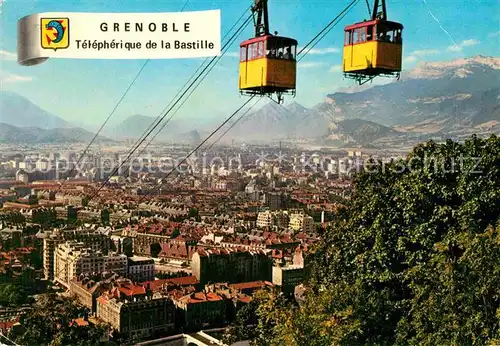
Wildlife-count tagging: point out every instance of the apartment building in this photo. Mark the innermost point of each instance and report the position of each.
(141, 269)
(201, 308)
(268, 219)
(52, 239)
(301, 222)
(73, 258)
(135, 312)
(230, 265)
(288, 277)
(88, 287)
(276, 200)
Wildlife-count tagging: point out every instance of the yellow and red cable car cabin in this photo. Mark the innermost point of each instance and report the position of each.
(373, 48)
(268, 65)
(267, 62)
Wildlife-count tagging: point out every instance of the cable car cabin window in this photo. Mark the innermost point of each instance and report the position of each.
(398, 36)
(260, 49)
(249, 52)
(388, 34)
(359, 36)
(355, 36)
(255, 54)
(362, 34)
(243, 54)
(289, 51)
(270, 49)
(294, 52)
(369, 33)
(347, 38)
(280, 50)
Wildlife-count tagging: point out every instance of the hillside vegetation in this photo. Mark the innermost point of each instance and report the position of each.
(415, 260)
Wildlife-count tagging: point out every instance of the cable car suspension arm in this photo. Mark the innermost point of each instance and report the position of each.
(260, 18)
(379, 15)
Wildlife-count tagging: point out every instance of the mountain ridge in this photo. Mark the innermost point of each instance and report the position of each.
(135, 125)
(448, 98)
(18, 111)
(464, 95)
(35, 135)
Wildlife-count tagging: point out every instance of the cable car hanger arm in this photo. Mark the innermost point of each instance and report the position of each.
(379, 15)
(261, 18)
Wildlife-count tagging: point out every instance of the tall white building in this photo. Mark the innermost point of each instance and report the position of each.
(73, 258)
(141, 268)
(269, 219)
(23, 176)
(301, 222)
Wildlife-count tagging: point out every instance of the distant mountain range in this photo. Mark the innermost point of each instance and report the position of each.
(18, 111)
(448, 93)
(23, 122)
(446, 99)
(434, 100)
(25, 118)
(35, 135)
(135, 125)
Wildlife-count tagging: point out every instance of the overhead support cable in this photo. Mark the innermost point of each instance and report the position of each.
(224, 50)
(131, 84)
(198, 147)
(310, 44)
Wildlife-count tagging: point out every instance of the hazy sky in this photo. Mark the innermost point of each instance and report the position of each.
(87, 90)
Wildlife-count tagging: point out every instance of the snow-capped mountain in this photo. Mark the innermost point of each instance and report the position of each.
(440, 98)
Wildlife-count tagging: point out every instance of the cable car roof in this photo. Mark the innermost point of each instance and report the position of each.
(269, 38)
(394, 25)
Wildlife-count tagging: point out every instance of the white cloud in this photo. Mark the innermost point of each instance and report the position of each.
(319, 51)
(424, 52)
(5, 55)
(462, 45)
(310, 64)
(418, 54)
(410, 58)
(336, 68)
(14, 78)
(233, 54)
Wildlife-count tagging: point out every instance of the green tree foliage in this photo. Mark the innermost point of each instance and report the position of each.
(176, 232)
(35, 259)
(193, 212)
(16, 287)
(14, 217)
(244, 325)
(80, 336)
(25, 280)
(12, 295)
(415, 259)
(261, 320)
(155, 250)
(50, 323)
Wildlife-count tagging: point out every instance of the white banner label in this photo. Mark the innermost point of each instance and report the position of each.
(118, 36)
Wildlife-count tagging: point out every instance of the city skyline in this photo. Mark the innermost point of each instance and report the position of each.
(433, 32)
